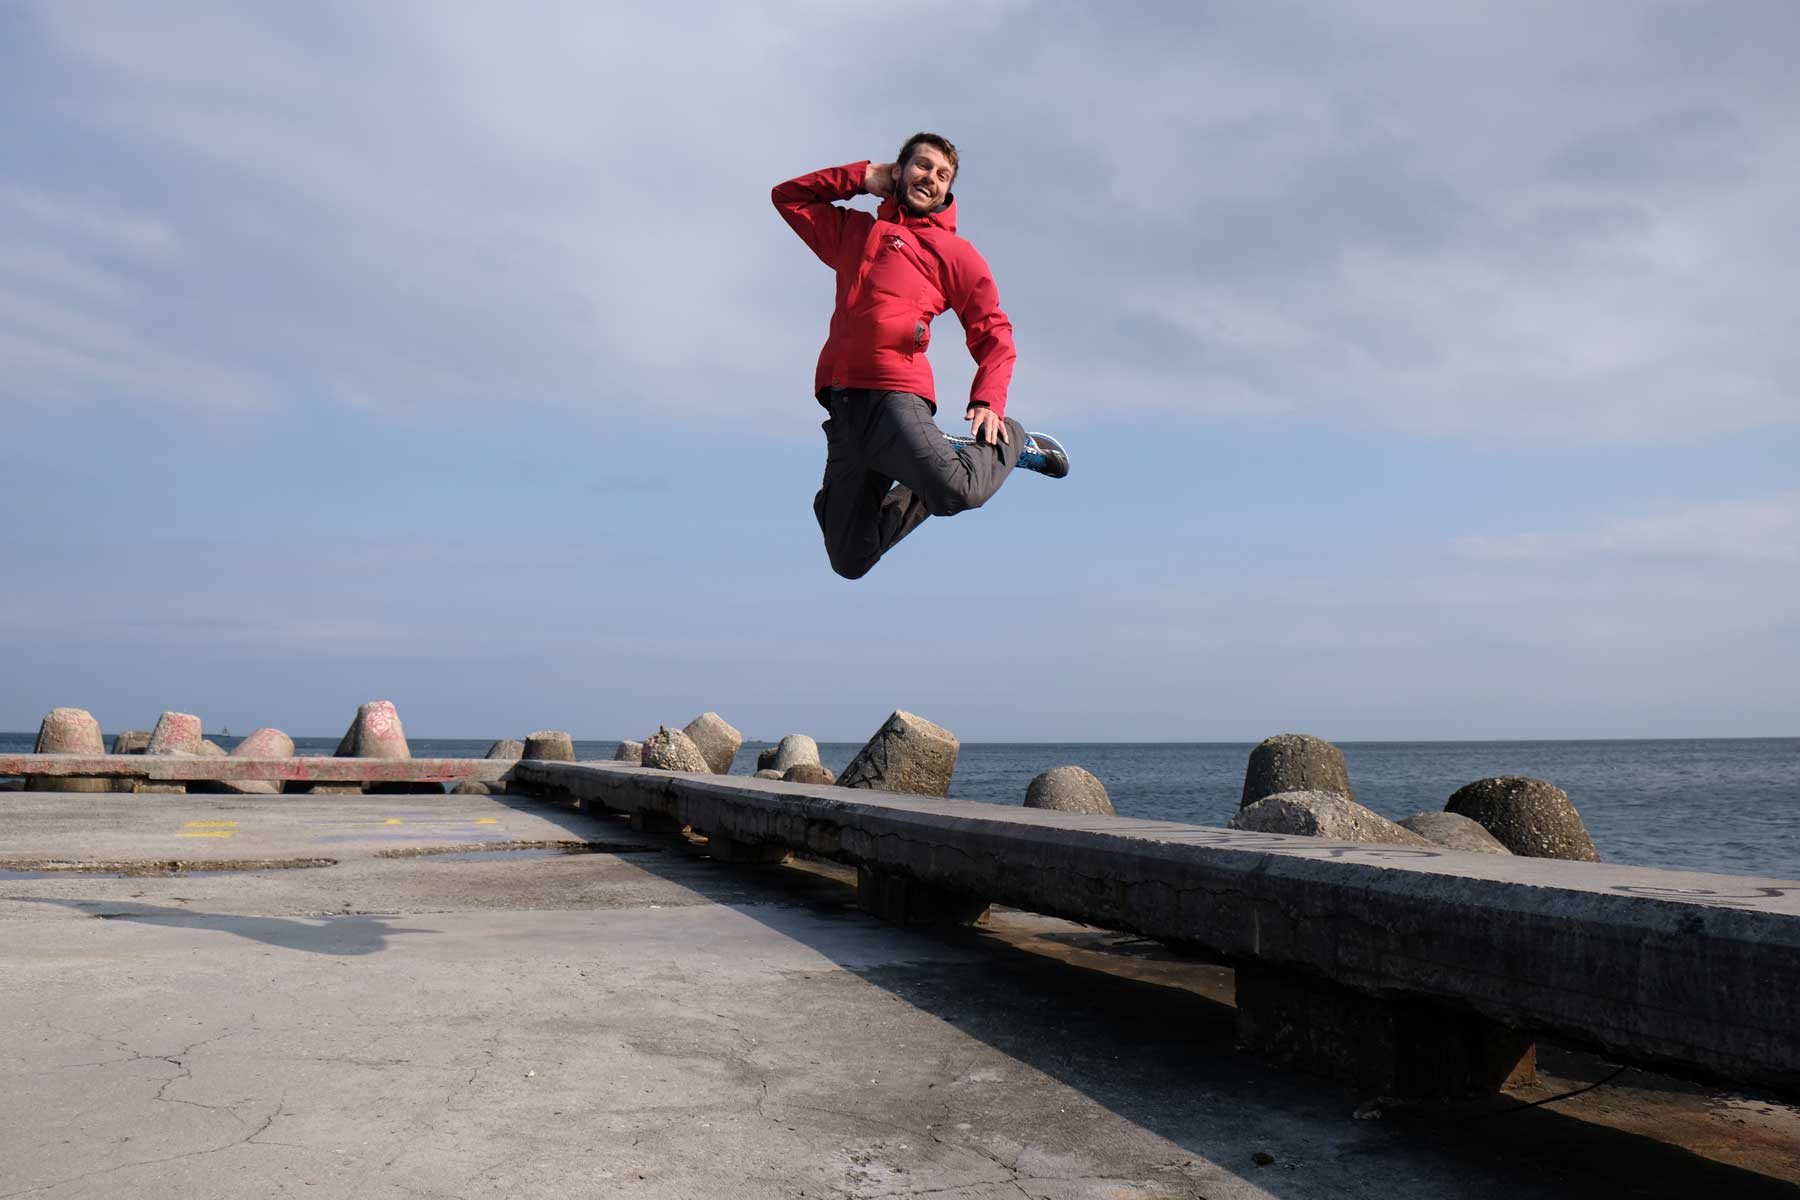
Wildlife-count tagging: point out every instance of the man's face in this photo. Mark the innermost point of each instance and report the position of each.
(925, 179)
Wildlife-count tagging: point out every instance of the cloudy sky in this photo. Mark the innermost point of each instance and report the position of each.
(1429, 372)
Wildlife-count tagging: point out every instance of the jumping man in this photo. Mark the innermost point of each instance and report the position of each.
(887, 465)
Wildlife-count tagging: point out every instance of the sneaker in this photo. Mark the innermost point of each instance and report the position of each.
(1045, 455)
(1042, 453)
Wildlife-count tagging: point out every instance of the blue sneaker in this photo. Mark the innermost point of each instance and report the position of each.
(1042, 453)
(1045, 455)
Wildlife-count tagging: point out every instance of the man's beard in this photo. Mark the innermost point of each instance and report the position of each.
(912, 207)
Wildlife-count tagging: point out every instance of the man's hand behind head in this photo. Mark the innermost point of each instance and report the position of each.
(878, 180)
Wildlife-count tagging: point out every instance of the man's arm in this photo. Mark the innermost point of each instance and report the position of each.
(989, 334)
(807, 205)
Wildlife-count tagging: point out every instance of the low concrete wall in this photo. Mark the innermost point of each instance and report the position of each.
(176, 769)
(1699, 973)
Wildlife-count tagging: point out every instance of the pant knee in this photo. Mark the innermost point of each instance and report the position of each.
(947, 499)
(852, 568)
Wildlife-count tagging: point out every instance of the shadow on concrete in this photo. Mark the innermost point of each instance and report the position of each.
(350, 935)
(1150, 1036)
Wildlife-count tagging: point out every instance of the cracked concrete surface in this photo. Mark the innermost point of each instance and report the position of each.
(655, 1024)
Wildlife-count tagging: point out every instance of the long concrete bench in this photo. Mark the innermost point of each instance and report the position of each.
(159, 768)
(1408, 970)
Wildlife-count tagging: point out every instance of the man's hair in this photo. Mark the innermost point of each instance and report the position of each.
(936, 141)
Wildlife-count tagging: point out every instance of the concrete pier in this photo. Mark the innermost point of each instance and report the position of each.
(432, 1000)
(1697, 973)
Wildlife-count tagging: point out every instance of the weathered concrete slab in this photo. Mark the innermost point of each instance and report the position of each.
(306, 770)
(1692, 971)
(652, 1024)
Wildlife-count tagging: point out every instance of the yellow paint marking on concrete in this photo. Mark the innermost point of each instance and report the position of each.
(391, 821)
(487, 820)
(209, 833)
(209, 824)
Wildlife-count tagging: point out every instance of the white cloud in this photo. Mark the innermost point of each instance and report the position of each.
(1503, 221)
(1764, 531)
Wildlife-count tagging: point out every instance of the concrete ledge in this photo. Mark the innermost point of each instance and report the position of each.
(176, 769)
(1692, 972)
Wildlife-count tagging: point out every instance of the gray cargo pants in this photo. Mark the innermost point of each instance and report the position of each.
(888, 467)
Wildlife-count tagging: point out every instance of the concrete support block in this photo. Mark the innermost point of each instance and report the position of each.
(717, 741)
(730, 850)
(132, 741)
(69, 731)
(907, 754)
(1391, 1046)
(901, 900)
(1295, 762)
(645, 821)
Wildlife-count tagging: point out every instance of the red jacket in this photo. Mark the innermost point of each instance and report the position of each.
(895, 272)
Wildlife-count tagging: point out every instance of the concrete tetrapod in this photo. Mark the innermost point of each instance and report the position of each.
(1322, 814)
(767, 773)
(629, 752)
(1069, 789)
(377, 733)
(548, 745)
(1454, 832)
(69, 731)
(791, 751)
(717, 740)
(907, 754)
(1531, 818)
(808, 773)
(262, 743)
(673, 750)
(175, 733)
(1295, 762)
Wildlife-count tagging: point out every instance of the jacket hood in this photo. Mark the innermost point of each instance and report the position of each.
(943, 216)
